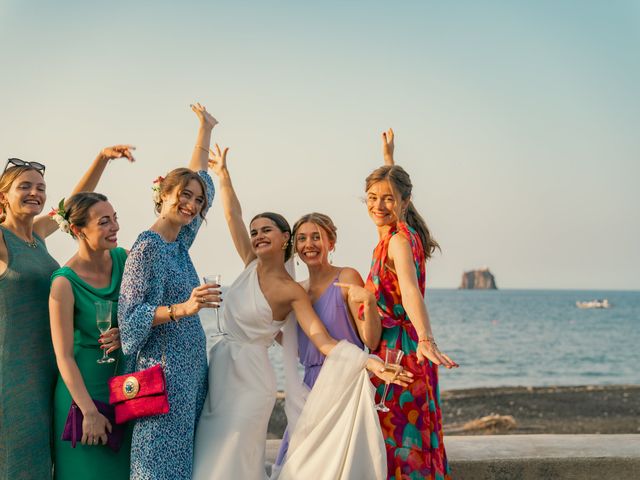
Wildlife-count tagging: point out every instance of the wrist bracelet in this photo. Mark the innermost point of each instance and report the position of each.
(202, 148)
(430, 340)
(172, 314)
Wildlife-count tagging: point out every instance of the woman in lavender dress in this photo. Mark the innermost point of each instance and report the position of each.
(336, 294)
(160, 298)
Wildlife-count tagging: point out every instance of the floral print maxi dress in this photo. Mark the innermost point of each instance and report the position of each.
(413, 426)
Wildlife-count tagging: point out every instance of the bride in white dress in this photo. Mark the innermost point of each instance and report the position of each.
(231, 434)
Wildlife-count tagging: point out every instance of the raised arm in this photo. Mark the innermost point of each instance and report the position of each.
(44, 225)
(388, 146)
(413, 302)
(231, 205)
(200, 155)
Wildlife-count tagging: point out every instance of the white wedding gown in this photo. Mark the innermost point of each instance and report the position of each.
(337, 435)
(232, 431)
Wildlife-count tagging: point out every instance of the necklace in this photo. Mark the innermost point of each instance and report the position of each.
(29, 243)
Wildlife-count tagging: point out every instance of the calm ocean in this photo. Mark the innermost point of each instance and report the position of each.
(532, 338)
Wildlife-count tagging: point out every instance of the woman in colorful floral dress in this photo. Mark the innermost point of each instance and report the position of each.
(413, 425)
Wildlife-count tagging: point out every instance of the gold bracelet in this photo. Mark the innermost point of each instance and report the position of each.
(172, 314)
(202, 148)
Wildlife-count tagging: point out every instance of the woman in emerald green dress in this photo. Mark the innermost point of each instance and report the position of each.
(92, 275)
(27, 363)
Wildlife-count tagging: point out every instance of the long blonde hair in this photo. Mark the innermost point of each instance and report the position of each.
(6, 180)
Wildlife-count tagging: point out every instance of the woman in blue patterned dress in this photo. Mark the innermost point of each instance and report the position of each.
(160, 298)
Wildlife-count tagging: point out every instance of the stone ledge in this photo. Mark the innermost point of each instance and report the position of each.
(524, 457)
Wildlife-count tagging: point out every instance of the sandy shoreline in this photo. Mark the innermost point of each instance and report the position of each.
(603, 409)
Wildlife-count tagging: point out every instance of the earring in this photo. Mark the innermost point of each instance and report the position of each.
(285, 245)
(331, 257)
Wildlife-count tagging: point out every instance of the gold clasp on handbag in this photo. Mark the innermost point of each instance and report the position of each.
(130, 387)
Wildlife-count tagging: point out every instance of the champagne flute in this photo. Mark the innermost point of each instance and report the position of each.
(215, 279)
(392, 359)
(103, 321)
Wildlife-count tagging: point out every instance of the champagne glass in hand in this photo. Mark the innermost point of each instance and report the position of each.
(392, 359)
(215, 280)
(103, 321)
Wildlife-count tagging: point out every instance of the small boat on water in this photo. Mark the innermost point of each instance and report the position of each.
(604, 303)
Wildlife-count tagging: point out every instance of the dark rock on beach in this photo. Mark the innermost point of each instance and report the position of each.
(481, 279)
(520, 410)
(559, 410)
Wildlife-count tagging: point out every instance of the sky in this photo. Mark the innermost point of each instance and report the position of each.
(517, 121)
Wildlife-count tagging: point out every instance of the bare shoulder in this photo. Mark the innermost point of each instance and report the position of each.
(399, 245)
(350, 275)
(61, 288)
(399, 240)
(292, 289)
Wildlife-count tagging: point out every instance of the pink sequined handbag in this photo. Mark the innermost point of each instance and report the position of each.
(139, 394)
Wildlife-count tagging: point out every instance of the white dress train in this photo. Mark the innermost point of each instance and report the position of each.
(338, 435)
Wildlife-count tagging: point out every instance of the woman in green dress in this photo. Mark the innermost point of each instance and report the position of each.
(27, 363)
(92, 275)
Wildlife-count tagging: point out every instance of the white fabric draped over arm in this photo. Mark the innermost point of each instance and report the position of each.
(338, 435)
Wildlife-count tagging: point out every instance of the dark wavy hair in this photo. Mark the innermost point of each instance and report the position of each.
(77, 207)
(282, 225)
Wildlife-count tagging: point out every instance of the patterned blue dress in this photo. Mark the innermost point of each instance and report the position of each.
(161, 273)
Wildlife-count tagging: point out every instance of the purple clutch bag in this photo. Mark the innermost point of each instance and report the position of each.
(73, 427)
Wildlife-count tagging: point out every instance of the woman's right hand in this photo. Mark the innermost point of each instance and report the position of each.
(402, 377)
(94, 428)
(203, 296)
(357, 294)
(206, 119)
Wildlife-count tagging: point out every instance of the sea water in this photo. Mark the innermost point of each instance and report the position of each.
(531, 337)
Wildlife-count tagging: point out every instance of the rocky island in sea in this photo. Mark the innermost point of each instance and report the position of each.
(481, 279)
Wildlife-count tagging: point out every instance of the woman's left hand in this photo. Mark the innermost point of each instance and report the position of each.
(218, 159)
(428, 349)
(110, 340)
(206, 119)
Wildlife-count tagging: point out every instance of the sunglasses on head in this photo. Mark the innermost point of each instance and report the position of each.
(21, 163)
